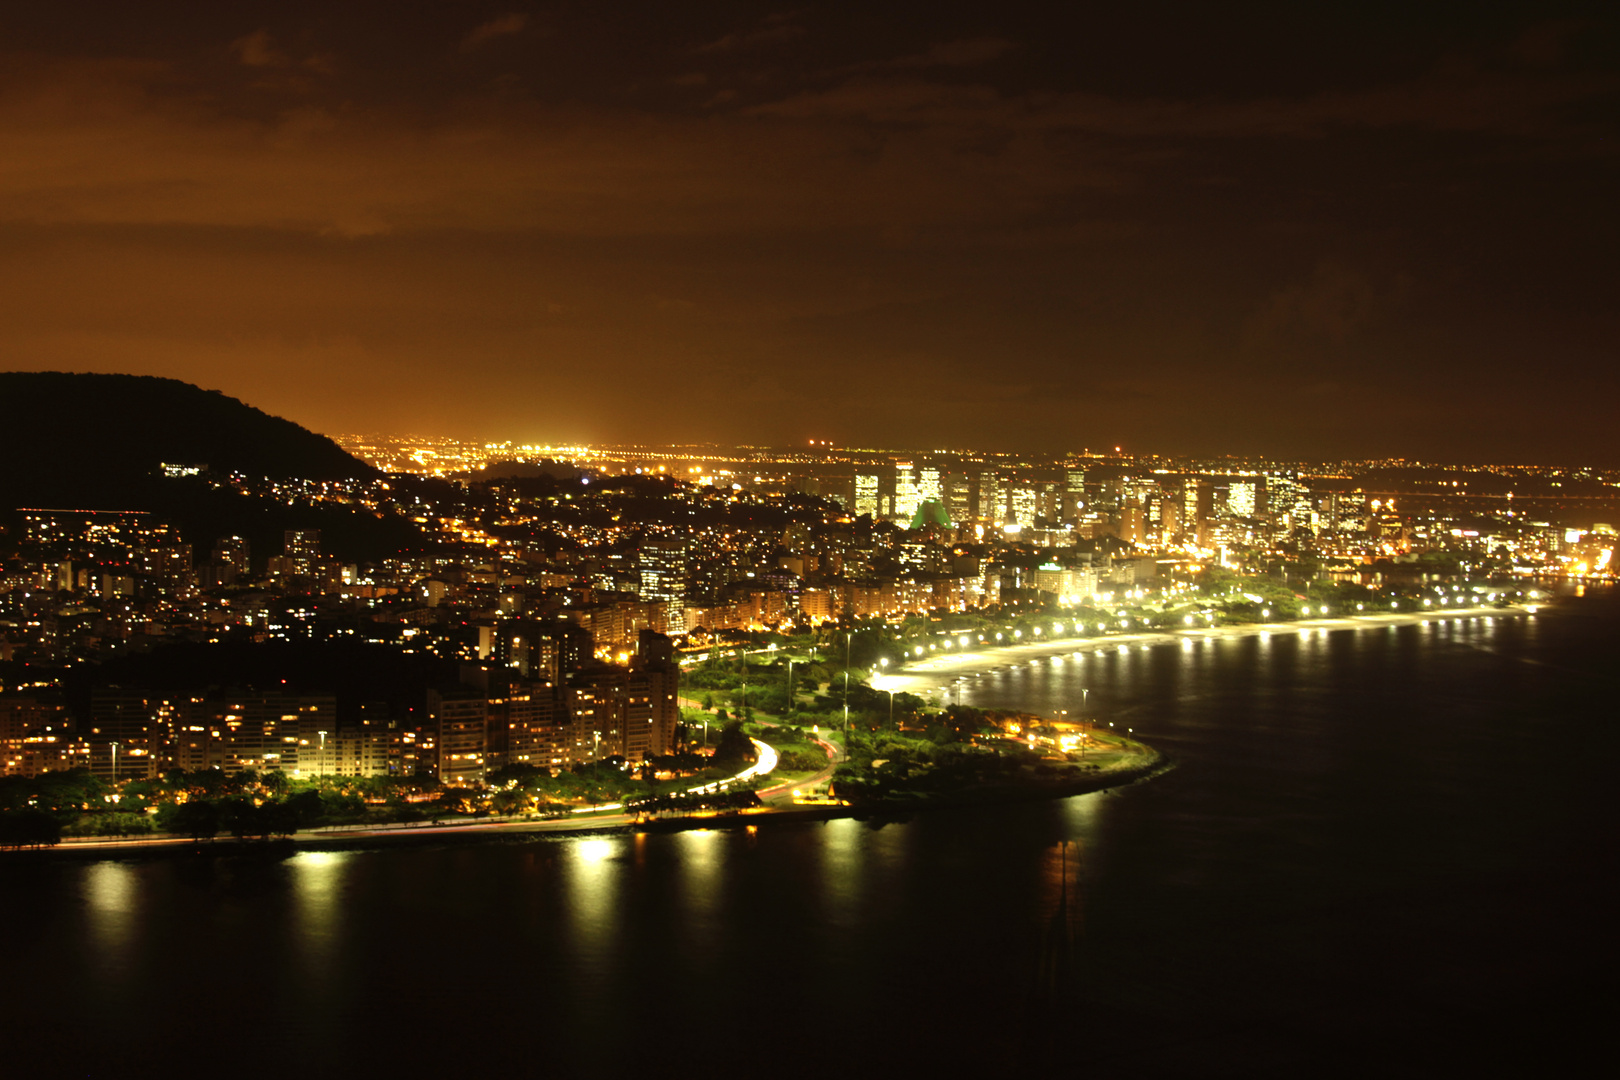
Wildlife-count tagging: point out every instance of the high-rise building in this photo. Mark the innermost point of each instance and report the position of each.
(596, 708)
(27, 723)
(122, 734)
(866, 494)
(302, 544)
(906, 496)
(1021, 506)
(1169, 511)
(294, 733)
(663, 571)
(992, 503)
(959, 497)
(1240, 498)
(538, 733)
(1289, 503)
(1194, 508)
(301, 554)
(655, 664)
(1074, 494)
(1132, 522)
(231, 559)
(459, 717)
(521, 645)
(928, 486)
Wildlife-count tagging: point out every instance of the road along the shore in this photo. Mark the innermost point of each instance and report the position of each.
(926, 677)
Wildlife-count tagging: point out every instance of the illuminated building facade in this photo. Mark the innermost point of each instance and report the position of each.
(459, 717)
(866, 494)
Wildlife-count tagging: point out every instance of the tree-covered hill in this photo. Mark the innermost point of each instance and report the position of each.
(87, 440)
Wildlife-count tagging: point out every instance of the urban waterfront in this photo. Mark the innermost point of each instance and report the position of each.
(1383, 845)
(974, 541)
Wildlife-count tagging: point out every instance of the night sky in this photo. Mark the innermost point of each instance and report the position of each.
(1296, 230)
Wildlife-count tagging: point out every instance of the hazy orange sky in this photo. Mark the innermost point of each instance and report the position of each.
(1184, 227)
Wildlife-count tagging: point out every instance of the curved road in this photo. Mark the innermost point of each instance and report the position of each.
(600, 817)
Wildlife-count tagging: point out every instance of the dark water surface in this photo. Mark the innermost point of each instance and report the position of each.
(1389, 851)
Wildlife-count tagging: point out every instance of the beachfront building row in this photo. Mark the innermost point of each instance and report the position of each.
(494, 715)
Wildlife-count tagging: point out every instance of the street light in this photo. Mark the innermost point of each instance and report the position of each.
(848, 634)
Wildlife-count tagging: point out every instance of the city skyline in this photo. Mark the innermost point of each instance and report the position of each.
(1256, 231)
(1031, 536)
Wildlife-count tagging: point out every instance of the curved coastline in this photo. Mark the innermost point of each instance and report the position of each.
(927, 678)
(938, 673)
(483, 832)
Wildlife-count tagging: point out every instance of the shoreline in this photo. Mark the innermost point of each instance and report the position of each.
(1145, 764)
(926, 678)
(938, 673)
(1152, 763)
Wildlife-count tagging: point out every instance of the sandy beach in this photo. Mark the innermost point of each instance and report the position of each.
(926, 677)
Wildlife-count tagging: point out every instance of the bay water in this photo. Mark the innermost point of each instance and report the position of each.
(1386, 850)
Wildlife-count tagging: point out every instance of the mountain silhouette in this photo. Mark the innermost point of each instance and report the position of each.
(83, 440)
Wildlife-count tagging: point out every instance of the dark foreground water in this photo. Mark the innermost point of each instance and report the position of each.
(1386, 851)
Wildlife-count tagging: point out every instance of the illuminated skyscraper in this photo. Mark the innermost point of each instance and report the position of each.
(1289, 503)
(992, 505)
(866, 494)
(958, 498)
(302, 550)
(928, 486)
(302, 543)
(663, 579)
(905, 492)
(663, 570)
(234, 552)
(1240, 498)
(1074, 494)
(460, 719)
(1194, 497)
(1169, 519)
(1021, 504)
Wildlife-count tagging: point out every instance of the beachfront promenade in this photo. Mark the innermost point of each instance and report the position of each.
(926, 677)
(923, 677)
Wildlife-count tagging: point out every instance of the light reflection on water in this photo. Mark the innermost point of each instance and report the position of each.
(111, 900)
(316, 880)
(700, 856)
(1331, 845)
(595, 877)
(842, 891)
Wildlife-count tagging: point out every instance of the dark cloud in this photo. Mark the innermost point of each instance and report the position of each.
(503, 26)
(972, 52)
(257, 50)
(1455, 97)
(260, 50)
(1327, 308)
(774, 30)
(1019, 226)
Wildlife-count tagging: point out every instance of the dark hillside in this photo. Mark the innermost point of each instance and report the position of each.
(71, 440)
